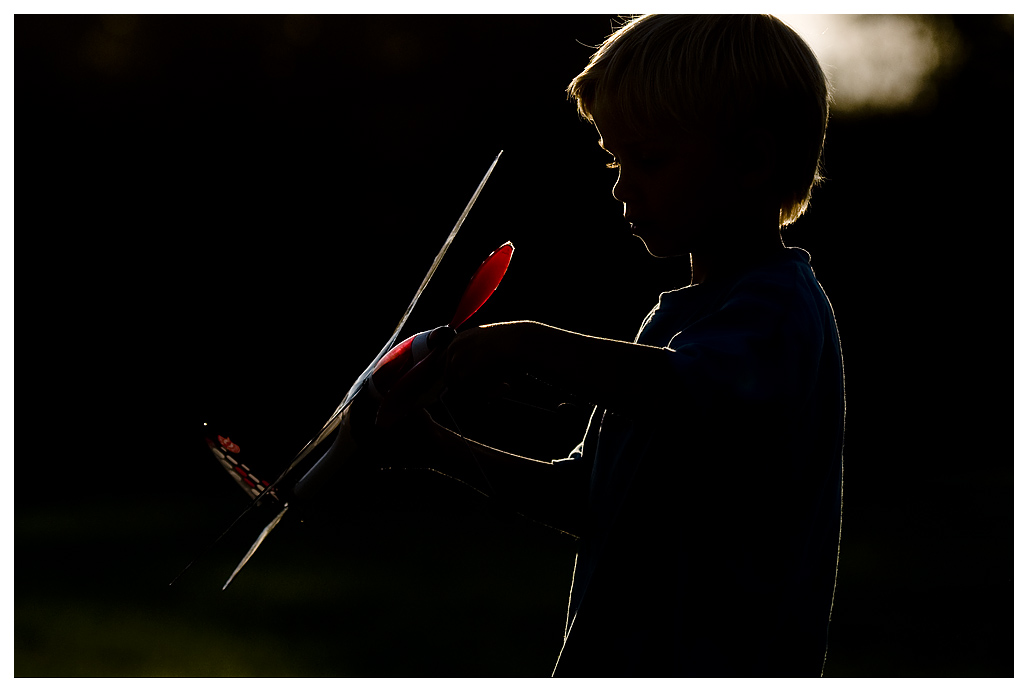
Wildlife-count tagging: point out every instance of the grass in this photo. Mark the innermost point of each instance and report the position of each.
(453, 592)
(402, 598)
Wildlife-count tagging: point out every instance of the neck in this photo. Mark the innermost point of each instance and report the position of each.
(710, 264)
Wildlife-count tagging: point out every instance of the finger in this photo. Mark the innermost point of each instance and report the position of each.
(413, 390)
(456, 356)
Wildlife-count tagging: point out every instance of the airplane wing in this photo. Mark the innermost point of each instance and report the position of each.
(260, 490)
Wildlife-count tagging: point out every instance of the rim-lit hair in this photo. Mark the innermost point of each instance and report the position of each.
(723, 74)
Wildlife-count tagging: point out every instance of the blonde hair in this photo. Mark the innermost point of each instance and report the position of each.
(720, 73)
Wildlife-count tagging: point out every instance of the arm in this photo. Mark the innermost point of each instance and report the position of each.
(553, 492)
(628, 378)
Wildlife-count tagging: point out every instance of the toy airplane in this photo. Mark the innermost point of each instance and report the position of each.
(401, 364)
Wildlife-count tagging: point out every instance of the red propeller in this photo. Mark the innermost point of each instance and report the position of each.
(483, 282)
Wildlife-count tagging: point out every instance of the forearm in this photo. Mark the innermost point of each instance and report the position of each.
(627, 378)
(553, 493)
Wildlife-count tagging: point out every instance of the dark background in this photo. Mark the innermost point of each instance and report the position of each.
(222, 218)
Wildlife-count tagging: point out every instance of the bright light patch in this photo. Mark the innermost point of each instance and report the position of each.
(879, 62)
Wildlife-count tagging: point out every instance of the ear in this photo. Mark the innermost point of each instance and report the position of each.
(755, 157)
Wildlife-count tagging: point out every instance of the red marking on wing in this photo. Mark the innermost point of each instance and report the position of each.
(228, 444)
(242, 474)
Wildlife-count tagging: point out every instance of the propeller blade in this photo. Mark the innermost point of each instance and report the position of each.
(485, 280)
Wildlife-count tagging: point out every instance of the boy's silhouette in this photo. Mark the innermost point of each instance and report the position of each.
(707, 489)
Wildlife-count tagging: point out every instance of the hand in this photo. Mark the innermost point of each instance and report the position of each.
(405, 444)
(418, 386)
(484, 359)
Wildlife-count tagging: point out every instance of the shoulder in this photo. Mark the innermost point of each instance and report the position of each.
(787, 273)
(783, 286)
(776, 296)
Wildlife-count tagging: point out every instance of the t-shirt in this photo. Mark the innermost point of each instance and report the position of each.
(713, 531)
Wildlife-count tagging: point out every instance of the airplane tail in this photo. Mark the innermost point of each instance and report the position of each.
(230, 455)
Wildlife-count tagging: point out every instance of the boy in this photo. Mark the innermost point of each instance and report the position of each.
(707, 490)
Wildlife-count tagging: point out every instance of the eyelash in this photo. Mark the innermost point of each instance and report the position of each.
(614, 165)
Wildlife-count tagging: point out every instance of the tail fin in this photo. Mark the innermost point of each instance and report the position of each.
(229, 454)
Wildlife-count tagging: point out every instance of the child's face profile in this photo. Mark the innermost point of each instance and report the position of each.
(672, 186)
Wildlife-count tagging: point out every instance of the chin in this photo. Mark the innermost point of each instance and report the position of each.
(658, 249)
